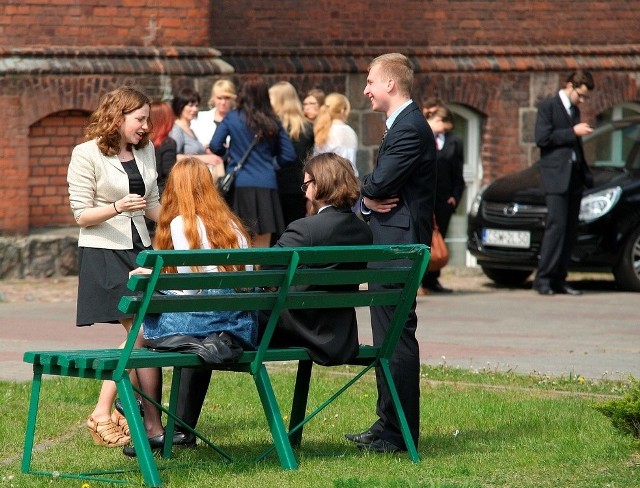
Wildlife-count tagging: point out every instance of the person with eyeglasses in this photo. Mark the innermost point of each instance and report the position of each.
(563, 175)
(330, 334)
(312, 103)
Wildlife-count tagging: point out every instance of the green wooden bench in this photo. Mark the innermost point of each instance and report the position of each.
(293, 266)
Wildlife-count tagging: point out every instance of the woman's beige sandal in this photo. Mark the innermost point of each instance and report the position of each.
(107, 433)
(121, 421)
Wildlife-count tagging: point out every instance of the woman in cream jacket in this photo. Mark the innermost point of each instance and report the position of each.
(112, 186)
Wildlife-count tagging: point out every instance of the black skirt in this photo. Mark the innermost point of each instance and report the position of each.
(102, 281)
(259, 209)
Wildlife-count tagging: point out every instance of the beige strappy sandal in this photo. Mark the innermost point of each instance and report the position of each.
(107, 433)
(121, 422)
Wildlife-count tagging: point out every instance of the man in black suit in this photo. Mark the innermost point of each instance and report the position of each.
(564, 173)
(398, 199)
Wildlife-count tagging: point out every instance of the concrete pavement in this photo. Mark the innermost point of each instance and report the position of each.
(480, 326)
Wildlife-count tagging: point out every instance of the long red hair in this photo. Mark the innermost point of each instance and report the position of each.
(163, 119)
(191, 193)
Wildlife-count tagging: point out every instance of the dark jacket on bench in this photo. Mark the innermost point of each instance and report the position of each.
(331, 334)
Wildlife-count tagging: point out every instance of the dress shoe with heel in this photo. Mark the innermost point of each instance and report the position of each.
(156, 443)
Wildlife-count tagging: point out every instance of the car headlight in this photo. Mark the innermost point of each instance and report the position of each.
(475, 206)
(595, 205)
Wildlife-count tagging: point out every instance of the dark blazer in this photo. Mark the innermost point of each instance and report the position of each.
(557, 142)
(450, 162)
(166, 154)
(290, 177)
(331, 334)
(405, 168)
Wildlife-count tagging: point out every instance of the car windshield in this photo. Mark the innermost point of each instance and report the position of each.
(614, 145)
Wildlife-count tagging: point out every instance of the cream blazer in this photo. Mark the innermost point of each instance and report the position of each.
(96, 180)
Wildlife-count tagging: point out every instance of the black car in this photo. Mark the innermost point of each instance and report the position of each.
(507, 219)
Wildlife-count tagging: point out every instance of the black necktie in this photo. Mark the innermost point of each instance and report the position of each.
(575, 118)
(384, 134)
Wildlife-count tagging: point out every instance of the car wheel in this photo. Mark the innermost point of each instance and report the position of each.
(510, 277)
(627, 271)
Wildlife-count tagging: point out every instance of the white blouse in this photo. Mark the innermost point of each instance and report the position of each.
(343, 141)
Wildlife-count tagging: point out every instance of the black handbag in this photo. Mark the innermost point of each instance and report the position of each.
(227, 182)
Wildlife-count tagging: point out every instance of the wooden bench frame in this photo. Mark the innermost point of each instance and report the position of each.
(402, 264)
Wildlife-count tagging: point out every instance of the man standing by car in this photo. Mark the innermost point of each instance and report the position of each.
(564, 173)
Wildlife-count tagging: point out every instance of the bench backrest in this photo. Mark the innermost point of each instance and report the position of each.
(282, 270)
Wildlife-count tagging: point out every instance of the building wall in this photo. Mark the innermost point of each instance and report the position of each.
(497, 58)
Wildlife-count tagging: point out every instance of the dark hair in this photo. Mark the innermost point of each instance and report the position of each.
(184, 97)
(336, 183)
(254, 103)
(579, 78)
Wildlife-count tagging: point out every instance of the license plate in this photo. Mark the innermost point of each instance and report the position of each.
(506, 238)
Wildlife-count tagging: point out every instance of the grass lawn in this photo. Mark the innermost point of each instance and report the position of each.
(479, 429)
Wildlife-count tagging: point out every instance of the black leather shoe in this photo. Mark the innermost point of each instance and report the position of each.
(362, 438)
(544, 290)
(380, 445)
(438, 288)
(567, 289)
(184, 439)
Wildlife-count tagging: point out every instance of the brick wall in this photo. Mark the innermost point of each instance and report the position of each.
(105, 23)
(498, 58)
(415, 23)
(49, 143)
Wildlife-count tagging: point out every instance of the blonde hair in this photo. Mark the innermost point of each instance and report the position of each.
(335, 104)
(191, 193)
(396, 67)
(222, 88)
(287, 106)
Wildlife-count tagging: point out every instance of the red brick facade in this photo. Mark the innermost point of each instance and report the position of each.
(497, 58)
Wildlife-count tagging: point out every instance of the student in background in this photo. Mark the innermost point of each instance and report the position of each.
(287, 106)
(331, 132)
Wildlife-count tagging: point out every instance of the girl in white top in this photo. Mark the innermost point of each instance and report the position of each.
(194, 216)
(331, 132)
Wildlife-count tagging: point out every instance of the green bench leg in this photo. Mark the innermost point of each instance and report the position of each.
(274, 418)
(144, 455)
(30, 431)
(397, 406)
(299, 403)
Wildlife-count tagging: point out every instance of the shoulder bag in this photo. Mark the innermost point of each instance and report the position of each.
(226, 183)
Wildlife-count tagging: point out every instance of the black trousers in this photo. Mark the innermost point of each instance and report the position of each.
(560, 233)
(405, 369)
(194, 383)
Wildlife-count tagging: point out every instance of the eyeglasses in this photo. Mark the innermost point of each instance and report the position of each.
(581, 96)
(305, 185)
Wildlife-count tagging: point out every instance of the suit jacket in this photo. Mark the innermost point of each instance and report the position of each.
(330, 334)
(450, 163)
(406, 167)
(97, 180)
(557, 142)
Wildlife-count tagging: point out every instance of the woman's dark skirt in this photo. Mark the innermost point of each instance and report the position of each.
(259, 209)
(102, 281)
